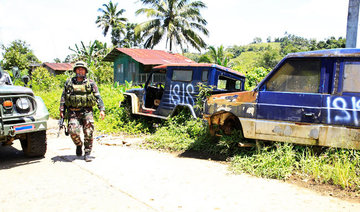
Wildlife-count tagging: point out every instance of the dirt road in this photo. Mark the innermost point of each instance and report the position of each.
(128, 179)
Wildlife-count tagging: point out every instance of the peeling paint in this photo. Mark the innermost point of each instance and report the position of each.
(250, 110)
(223, 109)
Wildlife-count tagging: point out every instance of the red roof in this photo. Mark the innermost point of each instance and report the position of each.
(199, 65)
(59, 66)
(148, 56)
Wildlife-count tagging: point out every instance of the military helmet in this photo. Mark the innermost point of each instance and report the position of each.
(80, 64)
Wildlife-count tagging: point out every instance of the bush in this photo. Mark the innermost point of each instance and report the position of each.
(254, 77)
(52, 100)
(42, 80)
(178, 133)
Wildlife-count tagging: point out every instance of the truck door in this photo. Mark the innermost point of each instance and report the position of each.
(291, 94)
(342, 107)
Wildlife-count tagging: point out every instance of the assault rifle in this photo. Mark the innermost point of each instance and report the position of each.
(62, 125)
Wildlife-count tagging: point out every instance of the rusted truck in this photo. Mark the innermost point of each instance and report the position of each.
(175, 86)
(310, 98)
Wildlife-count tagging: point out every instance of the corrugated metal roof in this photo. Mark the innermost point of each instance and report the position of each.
(199, 65)
(148, 56)
(327, 53)
(59, 66)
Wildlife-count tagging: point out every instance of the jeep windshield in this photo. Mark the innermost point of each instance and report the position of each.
(5, 79)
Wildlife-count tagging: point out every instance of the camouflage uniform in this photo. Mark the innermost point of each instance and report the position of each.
(81, 116)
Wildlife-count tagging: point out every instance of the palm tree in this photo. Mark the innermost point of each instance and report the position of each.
(110, 17)
(177, 20)
(219, 56)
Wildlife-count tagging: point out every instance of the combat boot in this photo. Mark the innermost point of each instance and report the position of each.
(87, 157)
(78, 151)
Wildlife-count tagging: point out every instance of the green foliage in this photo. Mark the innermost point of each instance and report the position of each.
(177, 134)
(110, 18)
(277, 162)
(219, 56)
(51, 99)
(246, 61)
(194, 56)
(254, 76)
(102, 73)
(42, 80)
(269, 58)
(17, 54)
(129, 40)
(223, 147)
(292, 43)
(204, 93)
(175, 21)
(334, 166)
(117, 119)
(280, 161)
(183, 133)
(92, 54)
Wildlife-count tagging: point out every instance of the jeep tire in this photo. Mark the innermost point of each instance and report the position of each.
(35, 144)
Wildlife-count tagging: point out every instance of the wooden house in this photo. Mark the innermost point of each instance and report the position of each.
(134, 65)
(57, 68)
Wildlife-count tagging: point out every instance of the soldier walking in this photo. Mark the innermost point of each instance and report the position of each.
(79, 96)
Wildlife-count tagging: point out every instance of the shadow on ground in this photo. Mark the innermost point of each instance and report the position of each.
(10, 157)
(202, 155)
(68, 158)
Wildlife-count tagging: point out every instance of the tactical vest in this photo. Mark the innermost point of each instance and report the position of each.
(79, 95)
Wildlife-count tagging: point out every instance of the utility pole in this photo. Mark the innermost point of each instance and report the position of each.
(352, 23)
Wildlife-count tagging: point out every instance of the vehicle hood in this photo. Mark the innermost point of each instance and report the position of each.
(12, 89)
(135, 90)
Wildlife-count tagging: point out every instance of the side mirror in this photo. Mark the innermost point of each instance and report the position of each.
(16, 72)
(26, 80)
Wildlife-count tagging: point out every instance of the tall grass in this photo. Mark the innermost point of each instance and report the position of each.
(280, 161)
(334, 166)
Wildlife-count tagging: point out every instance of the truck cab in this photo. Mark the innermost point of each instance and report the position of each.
(23, 116)
(174, 86)
(309, 98)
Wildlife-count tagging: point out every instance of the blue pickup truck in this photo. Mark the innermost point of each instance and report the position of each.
(310, 98)
(173, 86)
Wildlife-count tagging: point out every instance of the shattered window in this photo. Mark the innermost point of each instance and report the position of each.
(351, 78)
(296, 76)
(182, 75)
(225, 83)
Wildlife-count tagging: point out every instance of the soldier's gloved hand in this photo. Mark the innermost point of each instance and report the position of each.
(102, 115)
(61, 114)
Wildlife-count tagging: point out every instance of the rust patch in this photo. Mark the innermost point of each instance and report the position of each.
(233, 99)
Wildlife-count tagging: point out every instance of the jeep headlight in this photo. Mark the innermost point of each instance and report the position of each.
(23, 104)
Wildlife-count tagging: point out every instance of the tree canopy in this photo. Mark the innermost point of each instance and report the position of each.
(176, 21)
(17, 54)
(110, 18)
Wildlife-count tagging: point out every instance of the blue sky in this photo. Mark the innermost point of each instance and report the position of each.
(51, 26)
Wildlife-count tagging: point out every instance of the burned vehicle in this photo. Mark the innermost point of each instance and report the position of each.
(174, 86)
(310, 98)
(23, 116)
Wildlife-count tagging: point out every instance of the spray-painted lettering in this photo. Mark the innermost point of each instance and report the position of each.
(181, 94)
(346, 111)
